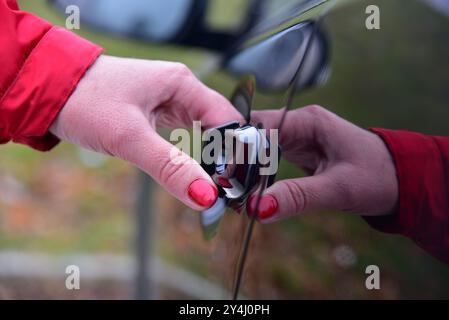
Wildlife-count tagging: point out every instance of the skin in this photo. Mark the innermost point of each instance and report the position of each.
(350, 168)
(118, 105)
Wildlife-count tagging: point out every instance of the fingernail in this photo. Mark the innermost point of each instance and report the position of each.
(203, 193)
(267, 207)
(223, 182)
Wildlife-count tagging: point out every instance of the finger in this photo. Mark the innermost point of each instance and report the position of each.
(212, 108)
(174, 170)
(201, 103)
(300, 136)
(269, 118)
(292, 197)
(298, 127)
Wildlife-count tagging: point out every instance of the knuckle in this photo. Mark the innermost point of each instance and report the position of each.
(297, 196)
(181, 70)
(323, 121)
(181, 81)
(172, 169)
(314, 110)
(318, 114)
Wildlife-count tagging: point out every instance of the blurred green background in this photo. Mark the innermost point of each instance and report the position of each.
(70, 201)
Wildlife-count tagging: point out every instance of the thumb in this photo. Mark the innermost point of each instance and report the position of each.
(179, 174)
(292, 197)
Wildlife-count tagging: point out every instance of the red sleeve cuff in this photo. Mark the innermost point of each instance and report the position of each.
(423, 210)
(43, 85)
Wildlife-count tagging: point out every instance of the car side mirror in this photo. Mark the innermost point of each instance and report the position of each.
(274, 60)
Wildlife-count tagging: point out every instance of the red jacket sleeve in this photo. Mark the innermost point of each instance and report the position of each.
(40, 67)
(422, 165)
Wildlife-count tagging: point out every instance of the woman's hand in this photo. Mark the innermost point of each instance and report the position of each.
(118, 105)
(350, 168)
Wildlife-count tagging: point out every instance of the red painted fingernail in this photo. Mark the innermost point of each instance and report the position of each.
(267, 207)
(223, 182)
(203, 193)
